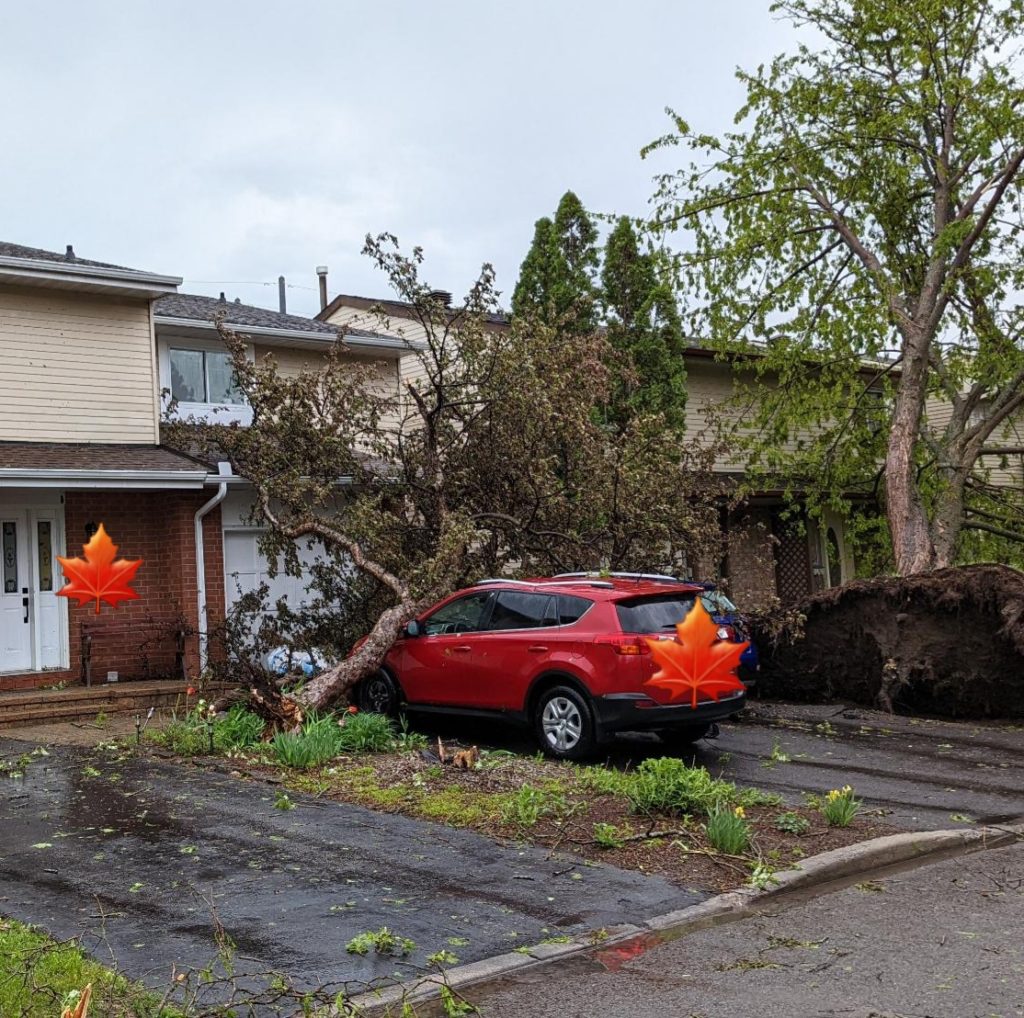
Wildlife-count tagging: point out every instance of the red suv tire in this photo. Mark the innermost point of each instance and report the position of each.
(564, 722)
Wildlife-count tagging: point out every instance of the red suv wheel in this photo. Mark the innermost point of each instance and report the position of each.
(564, 723)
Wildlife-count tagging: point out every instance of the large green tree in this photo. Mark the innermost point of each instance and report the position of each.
(867, 210)
(556, 279)
(644, 326)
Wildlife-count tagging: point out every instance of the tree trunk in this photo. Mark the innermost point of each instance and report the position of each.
(912, 543)
(949, 519)
(322, 690)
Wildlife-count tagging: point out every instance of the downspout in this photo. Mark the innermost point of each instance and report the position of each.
(224, 471)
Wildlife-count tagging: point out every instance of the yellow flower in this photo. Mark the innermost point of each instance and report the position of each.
(740, 812)
(833, 795)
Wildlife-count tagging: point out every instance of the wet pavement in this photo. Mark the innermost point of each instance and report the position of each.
(939, 941)
(144, 858)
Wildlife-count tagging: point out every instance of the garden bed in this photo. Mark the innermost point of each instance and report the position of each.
(663, 817)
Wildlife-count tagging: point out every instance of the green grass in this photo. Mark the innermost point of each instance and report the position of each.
(37, 975)
(666, 785)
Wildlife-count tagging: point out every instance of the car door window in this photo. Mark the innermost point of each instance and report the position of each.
(465, 615)
(514, 609)
(571, 609)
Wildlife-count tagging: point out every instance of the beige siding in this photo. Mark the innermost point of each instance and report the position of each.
(356, 318)
(75, 368)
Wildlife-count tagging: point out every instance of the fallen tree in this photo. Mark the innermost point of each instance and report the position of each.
(949, 643)
(493, 458)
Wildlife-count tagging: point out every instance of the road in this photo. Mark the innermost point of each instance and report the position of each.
(941, 941)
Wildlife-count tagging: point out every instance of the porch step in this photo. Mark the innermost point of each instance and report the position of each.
(33, 707)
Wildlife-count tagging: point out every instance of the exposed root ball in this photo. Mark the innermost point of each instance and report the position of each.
(949, 643)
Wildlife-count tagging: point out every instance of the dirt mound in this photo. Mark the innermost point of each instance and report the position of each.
(949, 643)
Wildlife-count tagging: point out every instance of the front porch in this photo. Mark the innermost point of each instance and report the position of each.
(147, 498)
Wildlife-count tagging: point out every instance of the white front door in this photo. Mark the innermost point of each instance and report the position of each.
(32, 618)
(15, 616)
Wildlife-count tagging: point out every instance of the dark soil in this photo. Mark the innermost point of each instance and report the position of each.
(948, 643)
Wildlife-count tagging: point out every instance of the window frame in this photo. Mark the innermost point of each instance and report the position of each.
(219, 413)
(485, 614)
(551, 596)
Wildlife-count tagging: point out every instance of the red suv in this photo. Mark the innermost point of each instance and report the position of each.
(564, 655)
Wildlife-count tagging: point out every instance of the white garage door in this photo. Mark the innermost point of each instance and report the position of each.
(245, 568)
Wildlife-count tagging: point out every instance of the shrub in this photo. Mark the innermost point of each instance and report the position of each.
(727, 830)
(667, 785)
(792, 823)
(840, 806)
(238, 729)
(365, 733)
(310, 747)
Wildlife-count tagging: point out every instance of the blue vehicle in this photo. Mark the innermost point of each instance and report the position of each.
(725, 613)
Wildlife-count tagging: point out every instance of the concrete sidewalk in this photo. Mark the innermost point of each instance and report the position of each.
(942, 940)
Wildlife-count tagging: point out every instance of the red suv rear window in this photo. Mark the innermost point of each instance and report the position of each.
(654, 613)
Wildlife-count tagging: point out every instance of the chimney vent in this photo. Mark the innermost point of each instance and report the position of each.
(442, 297)
(70, 254)
(321, 271)
(281, 300)
(223, 299)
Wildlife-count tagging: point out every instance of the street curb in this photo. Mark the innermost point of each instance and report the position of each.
(614, 946)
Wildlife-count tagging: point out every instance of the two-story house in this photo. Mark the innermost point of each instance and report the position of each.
(88, 353)
(767, 556)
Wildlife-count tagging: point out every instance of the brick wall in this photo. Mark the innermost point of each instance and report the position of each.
(136, 639)
(751, 562)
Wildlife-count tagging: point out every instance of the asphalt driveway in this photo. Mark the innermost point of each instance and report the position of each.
(143, 857)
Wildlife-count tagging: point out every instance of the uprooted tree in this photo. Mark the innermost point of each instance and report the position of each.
(868, 207)
(489, 459)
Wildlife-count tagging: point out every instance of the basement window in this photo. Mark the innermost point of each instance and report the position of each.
(203, 376)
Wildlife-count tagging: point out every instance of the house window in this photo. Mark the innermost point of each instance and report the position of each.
(203, 376)
(10, 557)
(45, 544)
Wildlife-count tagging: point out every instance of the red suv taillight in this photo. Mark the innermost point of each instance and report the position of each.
(623, 644)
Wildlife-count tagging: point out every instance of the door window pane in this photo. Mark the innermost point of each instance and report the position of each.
(187, 385)
(220, 378)
(9, 546)
(45, 541)
(516, 610)
(461, 616)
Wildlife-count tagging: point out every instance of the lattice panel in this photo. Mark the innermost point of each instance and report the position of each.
(792, 565)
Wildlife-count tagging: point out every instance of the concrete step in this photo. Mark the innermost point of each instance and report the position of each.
(76, 702)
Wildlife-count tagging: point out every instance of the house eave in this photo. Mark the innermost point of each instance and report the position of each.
(387, 345)
(90, 278)
(18, 477)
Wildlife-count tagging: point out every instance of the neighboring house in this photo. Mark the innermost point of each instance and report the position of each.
(767, 557)
(87, 349)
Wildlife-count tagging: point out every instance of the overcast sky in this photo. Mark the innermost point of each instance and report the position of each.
(229, 143)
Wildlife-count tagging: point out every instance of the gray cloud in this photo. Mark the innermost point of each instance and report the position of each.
(231, 142)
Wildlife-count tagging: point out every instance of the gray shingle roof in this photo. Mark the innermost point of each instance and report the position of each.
(94, 456)
(8, 250)
(206, 309)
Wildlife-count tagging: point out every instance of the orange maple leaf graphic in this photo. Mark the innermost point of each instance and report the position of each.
(98, 577)
(699, 664)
